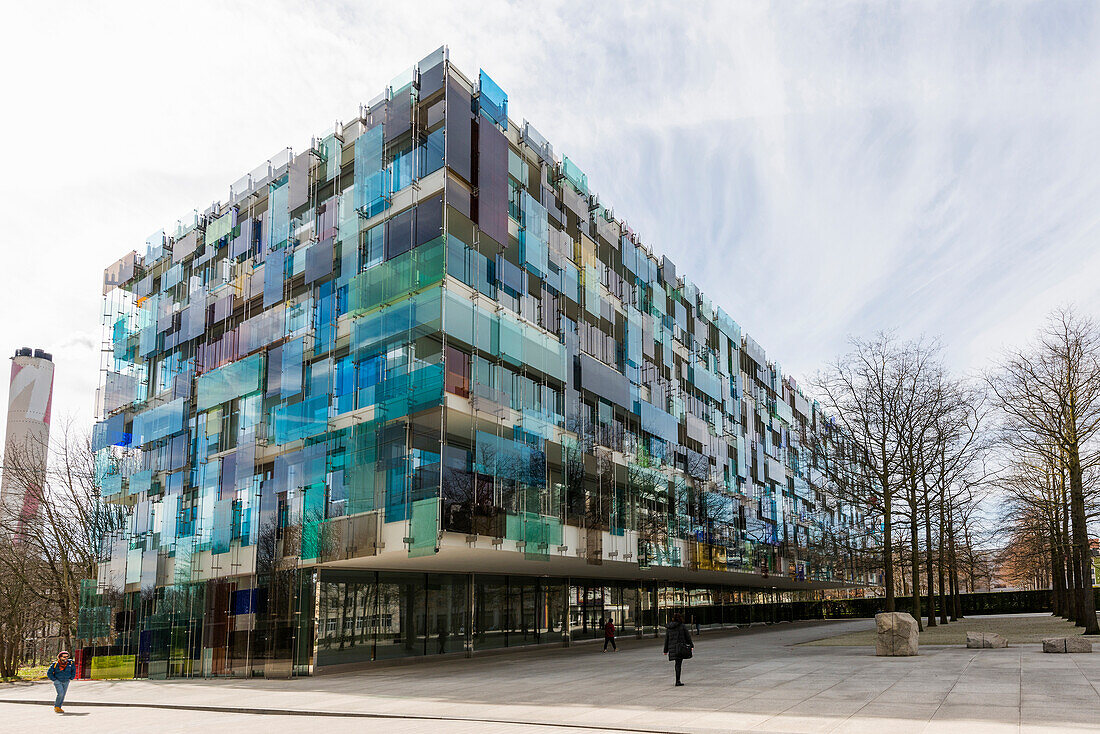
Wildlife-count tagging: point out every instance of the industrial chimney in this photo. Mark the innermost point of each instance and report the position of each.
(30, 395)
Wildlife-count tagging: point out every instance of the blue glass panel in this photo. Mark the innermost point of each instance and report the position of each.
(534, 236)
(345, 385)
(290, 373)
(110, 485)
(502, 457)
(325, 324)
(110, 432)
(432, 152)
(141, 481)
(401, 169)
(493, 100)
(159, 422)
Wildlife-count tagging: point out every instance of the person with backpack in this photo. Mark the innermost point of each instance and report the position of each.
(61, 672)
(678, 644)
(609, 635)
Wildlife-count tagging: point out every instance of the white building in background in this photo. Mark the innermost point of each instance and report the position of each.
(30, 398)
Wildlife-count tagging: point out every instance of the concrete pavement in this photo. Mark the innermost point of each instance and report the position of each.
(754, 680)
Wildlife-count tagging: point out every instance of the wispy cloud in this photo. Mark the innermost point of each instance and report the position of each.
(819, 169)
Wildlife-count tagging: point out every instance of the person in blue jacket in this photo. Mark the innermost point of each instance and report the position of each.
(61, 671)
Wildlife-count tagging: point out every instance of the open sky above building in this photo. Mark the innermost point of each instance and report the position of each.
(819, 172)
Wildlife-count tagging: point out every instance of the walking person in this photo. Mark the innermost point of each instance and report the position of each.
(61, 671)
(609, 635)
(678, 644)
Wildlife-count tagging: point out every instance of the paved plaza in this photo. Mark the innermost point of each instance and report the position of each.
(752, 680)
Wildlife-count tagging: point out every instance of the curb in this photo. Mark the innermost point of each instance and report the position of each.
(338, 714)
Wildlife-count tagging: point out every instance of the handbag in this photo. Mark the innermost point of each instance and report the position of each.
(685, 652)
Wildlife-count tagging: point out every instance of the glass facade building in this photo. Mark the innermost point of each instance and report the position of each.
(416, 391)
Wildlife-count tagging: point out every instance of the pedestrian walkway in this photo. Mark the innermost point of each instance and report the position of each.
(753, 680)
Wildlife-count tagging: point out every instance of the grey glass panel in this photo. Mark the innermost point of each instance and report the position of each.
(458, 197)
(299, 181)
(661, 424)
(431, 80)
(274, 275)
(600, 379)
(399, 115)
(429, 219)
(492, 182)
(459, 130)
(319, 260)
(399, 234)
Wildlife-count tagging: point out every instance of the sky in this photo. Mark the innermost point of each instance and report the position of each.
(821, 170)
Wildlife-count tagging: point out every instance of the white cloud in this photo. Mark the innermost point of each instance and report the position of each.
(818, 169)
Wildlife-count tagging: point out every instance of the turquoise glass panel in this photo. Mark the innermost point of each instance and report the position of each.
(372, 178)
(278, 198)
(231, 381)
(575, 175)
(223, 526)
(300, 420)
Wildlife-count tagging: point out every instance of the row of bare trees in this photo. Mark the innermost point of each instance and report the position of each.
(909, 446)
(938, 456)
(46, 554)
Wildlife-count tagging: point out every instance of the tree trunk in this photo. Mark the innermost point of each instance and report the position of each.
(1066, 551)
(1086, 598)
(953, 572)
(1057, 577)
(941, 549)
(888, 546)
(931, 565)
(914, 549)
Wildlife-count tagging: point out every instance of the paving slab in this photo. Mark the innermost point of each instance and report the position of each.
(756, 680)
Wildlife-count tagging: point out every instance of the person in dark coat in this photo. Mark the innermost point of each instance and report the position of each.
(60, 673)
(678, 644)
(609, 635)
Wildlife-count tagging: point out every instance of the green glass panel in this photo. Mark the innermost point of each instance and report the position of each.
(513, 527)
(360, 469)
(424, 527)
(313, 515)
(395, 279)
(534, 536)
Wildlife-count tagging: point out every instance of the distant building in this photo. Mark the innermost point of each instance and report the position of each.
(30, 397)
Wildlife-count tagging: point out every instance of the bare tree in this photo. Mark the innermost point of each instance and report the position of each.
(1048, 394)
(862, 390)
(59, 545)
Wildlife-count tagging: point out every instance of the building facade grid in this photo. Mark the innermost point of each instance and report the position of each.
(415, 390)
